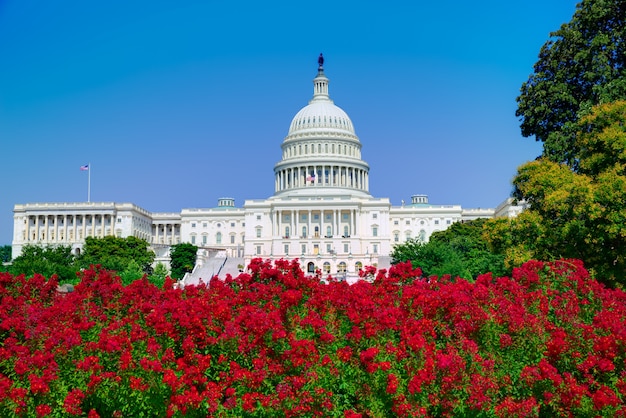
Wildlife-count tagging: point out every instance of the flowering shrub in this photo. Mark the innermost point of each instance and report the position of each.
(548, 341)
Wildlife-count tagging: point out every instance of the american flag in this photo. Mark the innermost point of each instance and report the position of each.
(84, 167)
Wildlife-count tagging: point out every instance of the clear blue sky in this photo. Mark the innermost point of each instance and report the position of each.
(175, 104)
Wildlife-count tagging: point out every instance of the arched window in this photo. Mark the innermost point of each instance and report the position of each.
(327, 267)
(304, 232)
(341, 268)
(358, 266)
(317, 231)
(423, 235)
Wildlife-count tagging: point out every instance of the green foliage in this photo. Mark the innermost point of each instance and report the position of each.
(114, 253)
(5, 253)
(581, 214)
(461, 250)
(183, 259)
(131, 273)
(46, 261)
(581, 65)
(158, 275)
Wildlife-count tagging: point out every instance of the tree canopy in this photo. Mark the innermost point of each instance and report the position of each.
(183, 259)
(581, 214)
(581, 65)
(460, 250)
(114, 253)
(46, 261)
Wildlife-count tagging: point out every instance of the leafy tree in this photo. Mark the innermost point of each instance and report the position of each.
(461, 250)
(582, 214)
(159, 275)
(46, 261)
(131, 273)
(581, 65)
(183, 259)
(5, 253)
(115, 253)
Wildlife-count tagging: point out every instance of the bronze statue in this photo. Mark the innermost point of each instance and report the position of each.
(320, 60)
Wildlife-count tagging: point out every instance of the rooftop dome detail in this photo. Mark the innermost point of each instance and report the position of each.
(321, 112)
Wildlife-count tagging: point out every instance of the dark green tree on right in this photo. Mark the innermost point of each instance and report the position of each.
(582, 64)
(183, 259)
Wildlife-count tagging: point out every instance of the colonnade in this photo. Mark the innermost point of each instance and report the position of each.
(295, 223)
(322, 175)
(67, 227)
(166, 233)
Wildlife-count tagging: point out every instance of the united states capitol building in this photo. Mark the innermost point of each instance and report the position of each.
(321, 211)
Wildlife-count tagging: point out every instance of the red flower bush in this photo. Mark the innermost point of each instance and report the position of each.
(548, 341)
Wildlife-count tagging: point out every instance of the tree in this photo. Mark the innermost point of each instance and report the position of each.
(183, 259)
(159, 275)
(5, 253)
(46, 261)
(115, 253)
(582, 214)
(461, 250)
(581, 65)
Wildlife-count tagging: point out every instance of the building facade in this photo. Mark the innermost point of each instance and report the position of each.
(321, 211)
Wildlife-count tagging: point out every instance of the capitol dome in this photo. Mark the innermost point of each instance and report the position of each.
(321, 150)
(321, 114)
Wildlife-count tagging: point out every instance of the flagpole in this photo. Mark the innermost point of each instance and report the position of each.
(89, 183)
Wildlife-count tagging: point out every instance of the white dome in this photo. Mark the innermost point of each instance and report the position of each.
(321, 114)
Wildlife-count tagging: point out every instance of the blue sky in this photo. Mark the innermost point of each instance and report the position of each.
(175, 104)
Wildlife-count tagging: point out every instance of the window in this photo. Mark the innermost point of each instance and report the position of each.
(375, 248)
(119, 219)
(329, 248)
(219, 225)
(358, 266)
(408, 222)
(341, 268)
(287, 231)
(193, 224)
(232, 239)
(286, 249)
(218, 238)
(258, 217)
(327, 267)
(374, 216)
(396, 237)
(232, 224)
(345, 216)
(316, 217)
(423, 235)
(204, 239)
(448, 222)
(193, 239)
(374, 231)
(328, 217)
(303, 248)
(395, 222)
(329, 231)
(304, 232)
(204, 224)
(436, 221)
(345, 248)
(258, 232)
(258, 249)
(346, 231)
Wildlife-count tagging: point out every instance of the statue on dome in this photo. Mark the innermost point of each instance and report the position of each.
(320, 60)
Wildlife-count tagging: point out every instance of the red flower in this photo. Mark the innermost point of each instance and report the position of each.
(73, 401)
